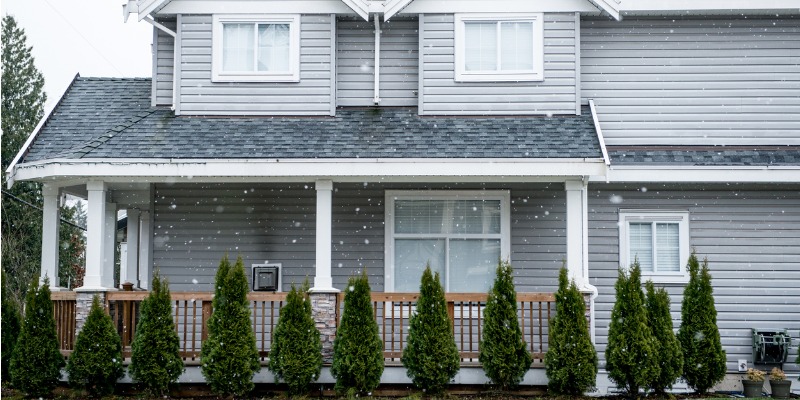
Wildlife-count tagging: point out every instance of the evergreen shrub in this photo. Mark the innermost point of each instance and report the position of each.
(155, 358)
(630, 355)
(703, 357)
(667, 348)
(12, 323)
(229, 356)
(296, 354)
(36, 363)
(357, 349)
(431, 357)
(96, 363)
(503, 353)
(571, 359)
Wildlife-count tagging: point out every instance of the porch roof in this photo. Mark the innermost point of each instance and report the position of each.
(739, 156)
(112, 118)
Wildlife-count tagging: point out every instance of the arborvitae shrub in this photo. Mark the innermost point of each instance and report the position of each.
(36, 362)
(503, 353)
(155, 358)
(96, 363)
(630, 355)
(431, 357)
(357, 349)
(229, 356)
(571, 359)
(667, 348)
(703, 357)
(296, 354)
(12, 323)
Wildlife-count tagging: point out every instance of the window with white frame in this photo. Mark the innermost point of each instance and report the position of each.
(461, 234)
(499, 47)
(659, 240)
(253, 48)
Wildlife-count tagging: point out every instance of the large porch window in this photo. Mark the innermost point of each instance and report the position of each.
(461, 234)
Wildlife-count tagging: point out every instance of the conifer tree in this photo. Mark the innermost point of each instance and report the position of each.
(296, 354)
(357, 349)
(12, 323)
(667, 348)
(630, 356)
(503, 353)
(431, 357)
(703, 357)
(96, 363)
(36, 362)
(155, 351)
(571, 359)
(229, 357)
(23, 102)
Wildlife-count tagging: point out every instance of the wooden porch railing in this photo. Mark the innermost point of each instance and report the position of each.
(64, 312)
(191, 311)
(392, 311)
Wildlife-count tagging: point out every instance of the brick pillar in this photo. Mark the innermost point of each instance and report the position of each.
(323, 309)
(83, 303)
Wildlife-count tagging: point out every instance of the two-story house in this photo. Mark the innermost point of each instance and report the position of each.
(326, 137)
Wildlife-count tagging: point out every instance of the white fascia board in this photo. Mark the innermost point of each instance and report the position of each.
(256, 7)
(609, 6)
(148, 6)
(392, 7)
(629, 7)
(483, 6)
(24, 149)
(360, 7)
(340, 170)
(600, 136)
(693, 174)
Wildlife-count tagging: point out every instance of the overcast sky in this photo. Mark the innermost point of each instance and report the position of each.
(86, 36)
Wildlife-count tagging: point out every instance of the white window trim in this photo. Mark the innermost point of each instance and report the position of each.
(536, 74)
(391, 195)
(681, 217)
(293, 75)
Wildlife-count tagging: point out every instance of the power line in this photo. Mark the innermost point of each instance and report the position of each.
(40, 209)
(84, 38)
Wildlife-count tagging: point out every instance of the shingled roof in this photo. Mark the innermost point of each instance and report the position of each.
(112, 118)
(705, 155)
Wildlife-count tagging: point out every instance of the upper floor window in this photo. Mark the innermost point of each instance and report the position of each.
(252, 48)
(659, 240)
(499, 47)
(460, 234)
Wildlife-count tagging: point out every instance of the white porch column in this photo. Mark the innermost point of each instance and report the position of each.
(578, 244)
(99, 276)
(577, 232)
(130, 272)
(51, 219)
(145, 248)
(322, 279)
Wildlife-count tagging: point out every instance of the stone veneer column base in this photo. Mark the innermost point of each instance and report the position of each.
(587, 300)
(83, 303)
(323, 310)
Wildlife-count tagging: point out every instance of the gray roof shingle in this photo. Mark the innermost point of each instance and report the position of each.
(113, 118)
(705, 155)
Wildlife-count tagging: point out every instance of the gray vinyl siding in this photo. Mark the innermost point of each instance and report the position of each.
(164, 64)
(442, 95)
(310, 96)
(694, 81)
(196, 224)
(751, 237)
(355, 62)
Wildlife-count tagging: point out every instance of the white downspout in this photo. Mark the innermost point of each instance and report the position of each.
(377, 98)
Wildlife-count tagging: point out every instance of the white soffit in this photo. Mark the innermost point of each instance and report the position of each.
(361, 7)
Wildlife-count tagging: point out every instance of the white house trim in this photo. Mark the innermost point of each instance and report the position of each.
(611, 7)
(681, 217)
(694, 174)
(259, 6)
(392, 7)
(323, 282)
(361, 7)
(155, 170)
(51, 222)
(599, 131)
